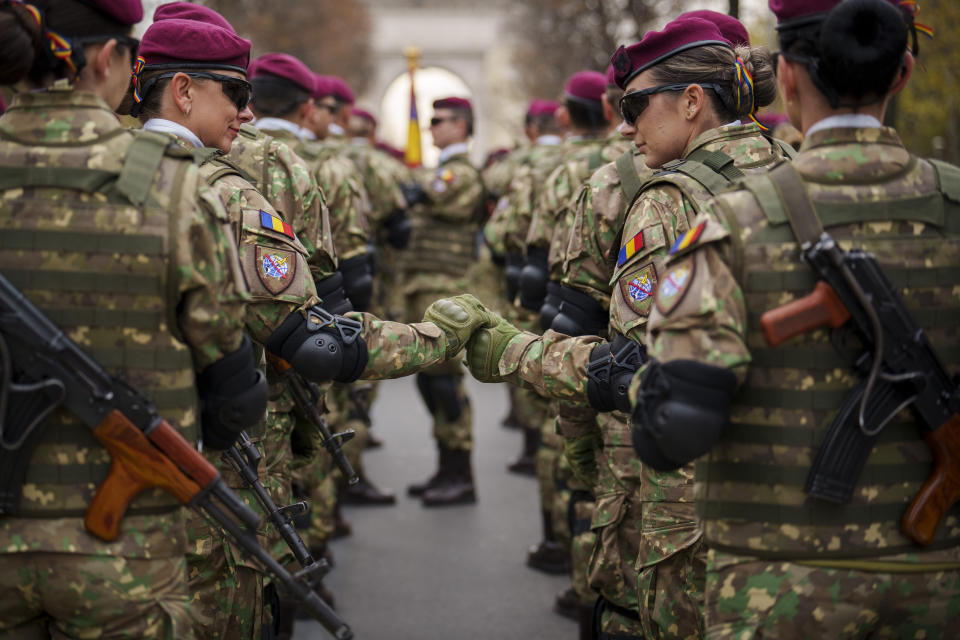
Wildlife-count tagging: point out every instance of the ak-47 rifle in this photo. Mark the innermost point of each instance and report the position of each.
(901, 368)
(43, 368)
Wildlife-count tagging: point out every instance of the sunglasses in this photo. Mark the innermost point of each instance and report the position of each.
(435, 121)
(632, 105)
(331, 107)
(237, 90)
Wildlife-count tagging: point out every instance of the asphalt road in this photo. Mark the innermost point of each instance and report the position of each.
(456, 573)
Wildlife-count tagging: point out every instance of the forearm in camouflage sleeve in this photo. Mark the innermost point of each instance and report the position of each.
(554, 365)
(396, 350)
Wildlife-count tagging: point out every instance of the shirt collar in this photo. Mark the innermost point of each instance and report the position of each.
(454, 149)
(846, 121)
(336, 130)
(279, 124)
(549, 140)
(168, 126)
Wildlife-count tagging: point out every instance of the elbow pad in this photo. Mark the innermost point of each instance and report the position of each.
(233, 397)
(398, 228)
(413, 193)
(610, 371)
(332, 294)
(358, 280)
(322, 346)
(579, 314)
(511, 274)
(550, 307)
(533, 279)
(681, 411)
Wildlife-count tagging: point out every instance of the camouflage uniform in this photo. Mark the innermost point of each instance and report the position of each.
(435, 265)
(643, 518)
(150, 290)
(780, 561)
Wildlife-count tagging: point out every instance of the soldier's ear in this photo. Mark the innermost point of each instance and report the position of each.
(181, 90)
(101, 60)
(906, 70)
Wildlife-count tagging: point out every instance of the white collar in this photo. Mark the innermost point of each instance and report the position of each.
(735, 123)
(846, 121)
(169, 126)
(336, 130)
(549, 139)
(279, 124)
(451, 150)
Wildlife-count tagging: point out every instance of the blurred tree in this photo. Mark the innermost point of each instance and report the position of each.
(927, 111)
(330, 36)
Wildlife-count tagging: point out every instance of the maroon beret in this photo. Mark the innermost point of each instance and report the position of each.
(189, 41)
(322, 86)
(3, 105)
(679, 35)
(542, 108)
(341, 90)
(283, 65)
(798, 12)
(453, 103)
(729, 27)
(611, 76)
(123, 11)
(191, 11)
(586, 85)
(363, 113)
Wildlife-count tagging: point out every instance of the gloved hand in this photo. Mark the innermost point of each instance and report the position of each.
(581, 453)
(458, 317)
(486, 347)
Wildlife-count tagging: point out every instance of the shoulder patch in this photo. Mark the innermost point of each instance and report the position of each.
(688, 238)
(276, 268)
(638, 288)
(676, 281)
(705, 230)
(632, 245)
(273, 223)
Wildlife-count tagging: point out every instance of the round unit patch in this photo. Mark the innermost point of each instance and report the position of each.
(275, 267)
(638, 288)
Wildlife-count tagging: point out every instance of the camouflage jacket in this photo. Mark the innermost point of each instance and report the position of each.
(151, 291)
(382, 176)
(869, 193)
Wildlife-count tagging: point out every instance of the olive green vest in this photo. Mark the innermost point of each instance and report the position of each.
(750, 487)
(91, 248)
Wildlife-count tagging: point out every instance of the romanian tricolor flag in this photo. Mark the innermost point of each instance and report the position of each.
(633, 245)
(687, 238)
(274, 223)
(411, 154)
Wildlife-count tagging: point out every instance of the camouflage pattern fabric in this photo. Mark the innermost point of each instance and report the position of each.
(548, 457)
(381, 173)
(141, 573)
(714, 321)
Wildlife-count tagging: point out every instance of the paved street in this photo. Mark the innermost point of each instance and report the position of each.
(410, 573)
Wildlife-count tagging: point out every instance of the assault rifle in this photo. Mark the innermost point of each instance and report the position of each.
(900, 368)
(43, 368)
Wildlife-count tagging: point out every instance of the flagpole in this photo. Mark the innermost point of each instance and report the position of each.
(412, 154)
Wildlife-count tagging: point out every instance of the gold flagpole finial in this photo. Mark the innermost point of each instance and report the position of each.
(412, 54)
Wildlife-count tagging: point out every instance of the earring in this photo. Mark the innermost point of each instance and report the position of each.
(186, 111)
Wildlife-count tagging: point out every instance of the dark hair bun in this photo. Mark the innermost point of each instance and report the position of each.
(862, 43)
(19, 38)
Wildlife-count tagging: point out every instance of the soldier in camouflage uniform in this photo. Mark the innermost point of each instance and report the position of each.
(644, 519)
(141, 272)
(445, 222)
(782, 563)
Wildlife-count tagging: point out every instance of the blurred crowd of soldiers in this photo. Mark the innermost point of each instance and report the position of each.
(245, 247)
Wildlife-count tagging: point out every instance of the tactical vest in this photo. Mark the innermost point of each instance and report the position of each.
(439, 245)
(91, 248)
(750, 488)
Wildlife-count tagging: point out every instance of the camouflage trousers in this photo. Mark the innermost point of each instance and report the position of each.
(68, 595)
(749, 597)
(582, 539)
(528, 407)
(226, 597)
(548, 457)
(319, 482)
(341, 417)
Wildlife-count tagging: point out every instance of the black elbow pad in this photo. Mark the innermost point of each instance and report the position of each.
(233, 397)
(681, 411)
(322, 346)
(398, 228)
(511, 274)
(534, 278)
(611, 369)
(550, 307)
(579, 314)
(413, 193)
(332, 295)
(358, 280)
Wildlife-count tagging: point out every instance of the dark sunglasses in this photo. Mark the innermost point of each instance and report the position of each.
(332, 108)
(633, 104)
(237, 90)
(435, 121)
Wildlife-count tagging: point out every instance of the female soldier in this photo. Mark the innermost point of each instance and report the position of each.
(686, 88)
(764, 512)
(119, 240)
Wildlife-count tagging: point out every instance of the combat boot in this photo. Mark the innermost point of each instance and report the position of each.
(526, 464)
(443, 467)
(365, 492)
(549, 556)
(456, 487)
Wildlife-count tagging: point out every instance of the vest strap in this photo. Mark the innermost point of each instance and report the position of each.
(630, 182)
(99, 242)
(86, 180)
(796, 203)
(140, 165)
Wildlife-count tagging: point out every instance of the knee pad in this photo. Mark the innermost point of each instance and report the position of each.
(358, 280)
(579, 314)
(681, 411)
(423, 386)
(398, 228)
(322, 346)
(534, 278)
(445, 395)
(233, 395)
(610, 371)
(511, 274)
(550, 307)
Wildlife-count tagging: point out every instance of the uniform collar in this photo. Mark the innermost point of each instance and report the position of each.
(714, 139)
(845, 120)
(83, 115)
(336, 130)
(279, 124)
(549, 140)
(168, 126)
(851, 135)
(455, 149)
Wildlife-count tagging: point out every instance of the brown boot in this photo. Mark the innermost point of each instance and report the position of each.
(548, 556)
(526, 464)
(443, 463)
(365, 492)
(456, 485)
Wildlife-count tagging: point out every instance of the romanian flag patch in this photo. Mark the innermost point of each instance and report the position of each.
(633, 245)
(687, 238)
(268, 221)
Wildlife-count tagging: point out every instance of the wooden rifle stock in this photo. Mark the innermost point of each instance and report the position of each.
(164, 460)
(941, 489)
(819, 308)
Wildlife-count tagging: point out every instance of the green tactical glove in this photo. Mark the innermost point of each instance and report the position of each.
(581, 453)
(458, 317)
(486, 348)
